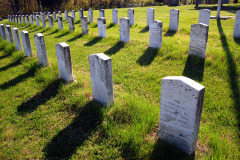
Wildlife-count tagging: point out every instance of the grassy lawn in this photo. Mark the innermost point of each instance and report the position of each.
(42, 117)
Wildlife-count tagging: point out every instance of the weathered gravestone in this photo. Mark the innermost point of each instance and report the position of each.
(3, 32)
(180, 112)
(23, 19)
(20, 19)
(80, 13)
(204, 16)
(50, 19)
(101, 13)
(90, 15)
(131, 16)
(31, 19)
(64, 61)
(174, 19)
(236, 31)
(124, 29)
(9, 34)
(84, 24)
(27, 18)
(26, 43)
(150, 16)
(37, 20)
(43, 21)
(115, 16)
(59, 13)
(17, 39)
(101, 78)
(60, 23)
(73, 14)
(16, 18)
(102, 27)
(155, 34)
(41, 49)
(54, 15)
(71, 23)
(66, 15)
(198, 40)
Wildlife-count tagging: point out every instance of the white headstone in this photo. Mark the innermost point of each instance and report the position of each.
(3, 32)
(174, 19)
(84, 24)
(155, 34)
(71, 23)
(102, 27)
(60, 23)
(180, 112)
(73, 14)
(90, 14)
(20, 19)
(59, 13)
(64, 61)
(50, 19)
(204, 16)
(236, 31)
(80, 13)
(101, 13)
(16, 17)
(101, 78)
(131, 16)
(23, 19)
(43, 21)
(27, 18)
(31, 19)
(37, 20)
(198, 40)
(66, 15)
(115, 16)
(9, 34)
(54, 15)
(26, 43)
(17, 39)
(150, 16)
(41, 49)
(124, 29)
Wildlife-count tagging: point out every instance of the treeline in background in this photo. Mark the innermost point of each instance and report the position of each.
(16, 7)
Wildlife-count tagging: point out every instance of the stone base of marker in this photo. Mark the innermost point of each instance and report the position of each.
(180, 112)
(41, 49)
(101, 78)
(64, 61)
(124, 24)
(198, 40)
(26, 43)
(155, 34)
(17, 39)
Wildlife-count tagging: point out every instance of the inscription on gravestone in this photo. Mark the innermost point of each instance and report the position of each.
(155, 34)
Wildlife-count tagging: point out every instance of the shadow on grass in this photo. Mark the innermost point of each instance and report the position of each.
(30, 73)
(41, 98)
(13, 64)
(163, 150)
(111, 25)
(116, 48)
(148, 56)
(93, 41)
(63, 34)
(77, 22)
(231, 9)
(75, 37)
(232, 71)
(66, 142)
(146, 29)
(237, 40)
(94, 25)
(53, 32)
(170, 33)
(194, 68)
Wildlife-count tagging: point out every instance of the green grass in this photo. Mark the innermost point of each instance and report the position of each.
(44, 118)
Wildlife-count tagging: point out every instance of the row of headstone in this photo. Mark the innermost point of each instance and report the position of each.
(181, 98)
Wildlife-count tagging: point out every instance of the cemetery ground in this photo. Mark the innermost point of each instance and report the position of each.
(44, 118)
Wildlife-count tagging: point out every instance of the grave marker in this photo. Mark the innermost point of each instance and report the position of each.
(54, 15)
(9, 34)
(3, 32)
(23, 19)
(204, 16)
(174, 19)
(64, 61)
(180, 112)
(150, 16)
(80, 13)
(73, 14)
(41, 49)
(101, 78)
(155, 34)
(59, 13)
(43, 21)
(37, 20)
(115, 16)
(84, 24)
(17, 39)
(31, 19)
(90, 14)
(60, 23)
(26, 43)
(27, 18)
(102, 27)
(71, 23)
(236, 31)
(50, 19)
(101, 13)
(198, 40)
(66, 15)
(131, 16)
(124, 29)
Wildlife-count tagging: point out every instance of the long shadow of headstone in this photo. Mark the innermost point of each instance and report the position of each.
(194, 68)
(93, 41)
(163, 150)
(66, 142)
(75, 37)
(170, 33)
(148, 56)
(116, 48)
(13, 64)
(41, 98)
(232, 71)
(146, 29)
